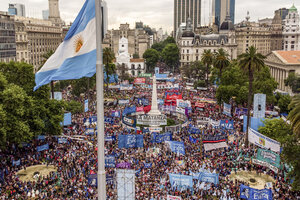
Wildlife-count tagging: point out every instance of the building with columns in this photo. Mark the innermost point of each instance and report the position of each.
(291, 30)
(192, 45)
(281, 63)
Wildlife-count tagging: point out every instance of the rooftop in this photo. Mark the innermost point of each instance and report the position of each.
(289, 57)
(293, 8)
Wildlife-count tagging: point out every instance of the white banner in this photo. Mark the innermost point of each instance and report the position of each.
(183, 104)
(155, 129)
(180, 110)
(154, 120)
(126, 87)
(263, 141)
(114, 86)
(124, 101)
(213, 146)
(126, 184)
(214, 123)
(169, 197)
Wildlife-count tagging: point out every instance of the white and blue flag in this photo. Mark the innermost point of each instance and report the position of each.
(76, 55)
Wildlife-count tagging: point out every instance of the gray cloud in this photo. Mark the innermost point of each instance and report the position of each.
(156, 13)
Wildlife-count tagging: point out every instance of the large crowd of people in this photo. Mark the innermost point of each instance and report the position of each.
(76, 159)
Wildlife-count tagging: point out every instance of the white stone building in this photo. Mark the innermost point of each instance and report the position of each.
(291, 30)
(134, 66)
(192, 45)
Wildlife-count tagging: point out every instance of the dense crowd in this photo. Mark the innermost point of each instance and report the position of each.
(77, 159)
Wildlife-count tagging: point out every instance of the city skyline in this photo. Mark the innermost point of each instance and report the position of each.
(154, 13)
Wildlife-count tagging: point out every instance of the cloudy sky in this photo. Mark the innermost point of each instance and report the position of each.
(156, 13)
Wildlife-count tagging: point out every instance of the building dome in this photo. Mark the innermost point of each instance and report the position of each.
(293, 9)
(227, 25)
(188, 34)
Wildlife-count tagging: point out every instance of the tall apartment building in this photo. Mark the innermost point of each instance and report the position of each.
(35, 38)
(16, 9)
(7, 38)
(222, 8)
(138, 40)
(184, 9)
(291, 30)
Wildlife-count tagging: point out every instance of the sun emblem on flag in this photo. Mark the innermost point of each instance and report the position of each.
(78, 43)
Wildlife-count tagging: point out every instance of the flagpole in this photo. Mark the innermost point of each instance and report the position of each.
(100, 106)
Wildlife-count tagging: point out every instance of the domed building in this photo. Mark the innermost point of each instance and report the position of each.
(192, 45)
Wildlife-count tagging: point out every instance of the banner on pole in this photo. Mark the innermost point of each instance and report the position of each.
(86, 105)
(249, 193)
(263, 141)
(42, 147)
(67, 119)
(130, 141)
(227, 109)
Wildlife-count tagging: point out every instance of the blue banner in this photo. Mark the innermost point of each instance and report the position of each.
(194, 130)
(130, 141)
(129, 121)
(255, 123)
(129, 110)
(16, 163)
(160, 101)
(86, 105)
(146, 130)
(43, 147)
(159, 138)
(110, 161)
(255, 194)
(108, 120)
(143, 101)
(193, 140)
(177, 147)
(62, 140)
(227, 124)
(92, 180)
(109, 138)
(115, 113)
(209, 177)
(93, 119)
(227, 109)
(67, 119)
(41, 137)
(147, 165)
(181, 181)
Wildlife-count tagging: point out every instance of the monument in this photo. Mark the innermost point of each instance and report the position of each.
(154, 107)
(154, 117)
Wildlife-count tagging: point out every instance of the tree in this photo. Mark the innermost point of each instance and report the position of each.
(221, 61)
(207, 59)
(109, 67)
(194, 70)
(151, 57)
(283, 103)
(250, 62)
(276, 129)
(294, 115)
(170, 55)
(136, 56)
(82, 85)
(293, 81)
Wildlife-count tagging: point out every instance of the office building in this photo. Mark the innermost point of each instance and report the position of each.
(283, 12)
(7, 38)
(222, 8)
(45, 14)
(291, 30)
(184, 9)
(16, 9)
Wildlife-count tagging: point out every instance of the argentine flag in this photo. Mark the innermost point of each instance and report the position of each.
(76, 55)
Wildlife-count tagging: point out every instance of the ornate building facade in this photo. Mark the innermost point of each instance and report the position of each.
(291, 30)
(192, 45)
(138, 40)
(7, 38)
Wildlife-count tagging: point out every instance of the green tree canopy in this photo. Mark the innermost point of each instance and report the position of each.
(151, 57)
(170, 55)
(293, 81)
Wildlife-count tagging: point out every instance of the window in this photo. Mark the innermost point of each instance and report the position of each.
(187, 58)
(197, 58)
(197, 50)
(188, 51)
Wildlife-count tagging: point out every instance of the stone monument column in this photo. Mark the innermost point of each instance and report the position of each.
(154, 107)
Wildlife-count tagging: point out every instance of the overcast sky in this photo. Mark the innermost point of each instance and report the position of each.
(156, 13)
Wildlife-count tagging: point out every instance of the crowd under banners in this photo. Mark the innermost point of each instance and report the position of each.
(263, 141)
(227, 124)
(110, 161)
(116, 113)
(169, 197)
(126, 87)
(214, 139)
(42, 147)
(213, 146)
(154, 120)
(129, 121)
(268, 159)
(227, 109)
(159, 138)
(16, 162)
(214, 123)
(249, 193)
(259, 105)
(181, 182)
(125, 184)
(67, 119)
(173, 129)
(130, 141)
(129, 110)
(177, 147)
(183, 104)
